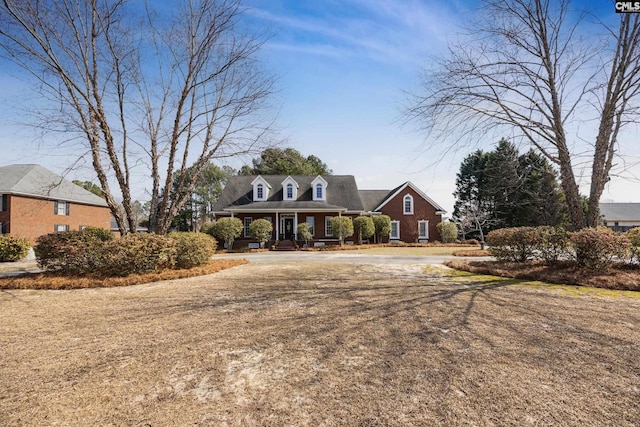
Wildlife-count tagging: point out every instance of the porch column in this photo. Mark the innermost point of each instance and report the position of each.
(277, 227)
(295, 225)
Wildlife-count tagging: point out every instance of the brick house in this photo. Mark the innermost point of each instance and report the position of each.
(35, 201)
(286, 201)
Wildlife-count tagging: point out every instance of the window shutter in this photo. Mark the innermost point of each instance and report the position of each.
(66, 208)
(55, 207)
(4, 202)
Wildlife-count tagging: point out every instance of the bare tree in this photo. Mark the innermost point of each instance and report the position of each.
(529, 67)
(168, 90)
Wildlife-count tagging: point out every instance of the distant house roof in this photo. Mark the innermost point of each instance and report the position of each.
(36, 181)
(620, 211)
(342, 194)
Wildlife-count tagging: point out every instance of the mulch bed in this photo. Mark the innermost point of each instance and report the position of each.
(623, 278)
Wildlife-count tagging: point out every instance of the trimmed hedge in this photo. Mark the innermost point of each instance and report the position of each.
(13, 248)
(193, 249)
(591, 248)
(599, 247)
(94, 252)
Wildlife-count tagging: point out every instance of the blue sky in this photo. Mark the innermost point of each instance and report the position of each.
(343, 69)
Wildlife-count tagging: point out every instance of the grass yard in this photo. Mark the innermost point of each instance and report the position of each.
(320, 344)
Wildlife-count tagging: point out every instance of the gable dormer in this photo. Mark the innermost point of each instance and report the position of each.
(289, 189)
(319, 189)
(260, 189)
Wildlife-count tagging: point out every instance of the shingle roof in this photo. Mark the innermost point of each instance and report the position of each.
(620, 211)
(36, 181)
(371, 199)
(342, 192)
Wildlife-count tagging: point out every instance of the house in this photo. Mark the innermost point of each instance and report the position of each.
(620, 216)
(35, 201)
(287, 201)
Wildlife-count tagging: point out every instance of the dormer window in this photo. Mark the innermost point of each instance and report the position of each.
(319, 189)
(289, 189)
(260, 189)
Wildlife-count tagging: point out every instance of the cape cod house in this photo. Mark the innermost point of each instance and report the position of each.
(287, 201)
(35, 201)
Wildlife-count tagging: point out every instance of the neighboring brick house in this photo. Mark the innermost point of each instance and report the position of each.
(35, 201)
(289, 200)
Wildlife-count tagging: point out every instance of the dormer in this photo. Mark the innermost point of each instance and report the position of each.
(260, 189)
(319, 189)
(289, 189)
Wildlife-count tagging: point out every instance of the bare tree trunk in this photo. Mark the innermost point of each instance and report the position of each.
(197, 98)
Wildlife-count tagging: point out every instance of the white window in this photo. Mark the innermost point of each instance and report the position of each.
(423, 229)
(61, 208)
(311, 222)
(395, 230)
(328, 230)
(247, 224)
(408, 204)
(319, 191)
(289, 191)
(60, 228)
(260, 191)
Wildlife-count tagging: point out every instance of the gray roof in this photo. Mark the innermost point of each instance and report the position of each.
(342, 193)
(620, 211)
(371, 199)
(36, 181)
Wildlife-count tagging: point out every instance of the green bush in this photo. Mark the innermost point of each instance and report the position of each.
(363, 227)
(13, 248)
(382, 224)
(514, 244)
(138, 253)
(193, 249)
(448, 230)
(342, 227)
(207, 228)
(598, 248)
(227, 229)
(304, 232)
(261, 229)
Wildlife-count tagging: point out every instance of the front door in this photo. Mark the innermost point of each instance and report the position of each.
(288, 228)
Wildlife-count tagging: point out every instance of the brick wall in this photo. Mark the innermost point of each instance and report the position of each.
(422, 211)
(30, 217)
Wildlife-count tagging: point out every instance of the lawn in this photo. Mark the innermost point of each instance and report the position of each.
(320, 344)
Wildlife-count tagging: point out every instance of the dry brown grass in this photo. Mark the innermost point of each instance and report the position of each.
(614, 278)
(54, 281)
(472, 253)
(319, 345)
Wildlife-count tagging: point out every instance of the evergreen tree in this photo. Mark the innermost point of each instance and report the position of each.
(276, 161)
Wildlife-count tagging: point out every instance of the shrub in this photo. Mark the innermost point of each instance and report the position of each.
(634, 239)
(227, 229)
(598, 248)
(304, 232)
(512, 244)
(551, 243)
(193, 249)
(342, 227)
(138, 253)
(363, 227)
(13, 248)
(448, 230)
(383, 226)
(72, 252)
(207, 228)
(471, 242)
(261, 229)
